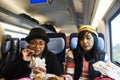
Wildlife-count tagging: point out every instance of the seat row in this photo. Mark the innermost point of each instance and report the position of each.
(57, 44)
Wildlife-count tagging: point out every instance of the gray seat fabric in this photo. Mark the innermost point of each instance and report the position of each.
(56, 45)
(9, 49)
(101, 43)
(23, 43)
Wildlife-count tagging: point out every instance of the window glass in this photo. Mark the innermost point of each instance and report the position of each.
(14, 31)
(115, 38)
(15, 35)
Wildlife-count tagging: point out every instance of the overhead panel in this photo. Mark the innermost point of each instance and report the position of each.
(88, 6)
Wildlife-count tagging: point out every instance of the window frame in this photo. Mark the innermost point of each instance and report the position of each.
(110, 33)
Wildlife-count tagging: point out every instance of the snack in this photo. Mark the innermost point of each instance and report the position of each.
(53, 77)
(38, 68)
(39, 76)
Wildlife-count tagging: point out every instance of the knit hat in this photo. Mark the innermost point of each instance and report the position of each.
(87, 28)
(37, 33)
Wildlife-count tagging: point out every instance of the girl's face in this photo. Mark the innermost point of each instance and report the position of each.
(87, 42)
(38, 45)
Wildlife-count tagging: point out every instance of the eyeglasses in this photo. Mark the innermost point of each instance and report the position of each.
(39, 43)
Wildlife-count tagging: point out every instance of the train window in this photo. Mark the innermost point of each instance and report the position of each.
(15, 35)
(115, 39)
(14, 31)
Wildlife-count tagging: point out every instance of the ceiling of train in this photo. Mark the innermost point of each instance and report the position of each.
(65, 15)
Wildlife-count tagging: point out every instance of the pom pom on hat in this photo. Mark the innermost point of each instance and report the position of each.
(87, 28)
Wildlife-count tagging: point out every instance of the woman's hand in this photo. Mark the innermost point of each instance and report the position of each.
(27, 54)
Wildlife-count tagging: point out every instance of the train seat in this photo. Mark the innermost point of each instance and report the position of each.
(57, 45)
(9, 50)
(73, 41)
(23, 44)
(101, 35)
(5, 49)
(101, 43)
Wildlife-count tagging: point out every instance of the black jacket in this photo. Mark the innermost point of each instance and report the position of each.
(20, 68)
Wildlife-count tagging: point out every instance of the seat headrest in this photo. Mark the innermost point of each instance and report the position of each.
(23, 43)
(6, 43)
(101, 44)
(101, 35)
(56, 45)
(74, 40)
(6, 46)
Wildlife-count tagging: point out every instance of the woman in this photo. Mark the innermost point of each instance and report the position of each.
(86, 54)
(37, 48)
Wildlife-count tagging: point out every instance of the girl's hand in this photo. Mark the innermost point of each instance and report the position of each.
(27, 54)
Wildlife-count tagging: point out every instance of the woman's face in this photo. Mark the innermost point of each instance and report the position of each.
(38, 45)
(87, 42)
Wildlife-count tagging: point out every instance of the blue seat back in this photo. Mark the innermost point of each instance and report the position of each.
(5, 49)
(57, 45)
(12, 49)
(9, 49)
(74, 40)
(23, 44)
(101, 43)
